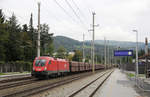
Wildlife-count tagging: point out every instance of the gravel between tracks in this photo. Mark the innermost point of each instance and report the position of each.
(17, 83)
(32, 85)
(89, 90)
(66, 90)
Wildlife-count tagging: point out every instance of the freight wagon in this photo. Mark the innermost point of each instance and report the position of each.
(47, 66)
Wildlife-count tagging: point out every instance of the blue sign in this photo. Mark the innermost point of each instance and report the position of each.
(123, 53)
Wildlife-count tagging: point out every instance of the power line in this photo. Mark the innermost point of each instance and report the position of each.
(75, 12)
(88, 7)
(58, 19)
(78, 8)
(64, 10)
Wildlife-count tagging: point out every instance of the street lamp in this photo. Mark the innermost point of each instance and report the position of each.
(137, 71)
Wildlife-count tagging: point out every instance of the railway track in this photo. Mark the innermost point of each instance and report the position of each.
(14, 78)
(91, 92)
(46, 86)
(19, 82)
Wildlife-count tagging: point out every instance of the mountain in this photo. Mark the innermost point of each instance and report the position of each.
(71, 44)
(68, 43)
(122, 44)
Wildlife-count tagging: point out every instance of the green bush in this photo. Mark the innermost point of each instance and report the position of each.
(23, 66)
(2, 62)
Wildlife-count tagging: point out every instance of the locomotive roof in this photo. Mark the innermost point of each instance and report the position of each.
(51, 58)
(45, 57)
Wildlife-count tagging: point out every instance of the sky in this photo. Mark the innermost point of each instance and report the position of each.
(72, 18)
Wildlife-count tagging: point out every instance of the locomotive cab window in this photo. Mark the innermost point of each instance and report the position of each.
(40, 62)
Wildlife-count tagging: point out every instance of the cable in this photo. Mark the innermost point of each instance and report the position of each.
(64, 10)
(58, 19)
(78, 9)
(74, 12)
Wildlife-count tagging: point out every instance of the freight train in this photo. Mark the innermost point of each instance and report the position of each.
(45, 66)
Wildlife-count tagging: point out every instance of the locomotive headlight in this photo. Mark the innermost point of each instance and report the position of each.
(45, 68)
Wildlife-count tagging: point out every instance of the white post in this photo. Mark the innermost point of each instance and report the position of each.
(93, 57)
(108, 54)
(105, 52)
(136, 71)
(137, 53)
(83, 50)
(38, 47)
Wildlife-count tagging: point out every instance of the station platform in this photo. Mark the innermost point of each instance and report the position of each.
(118, 85)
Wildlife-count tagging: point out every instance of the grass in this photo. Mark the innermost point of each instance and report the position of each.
(141, 75)
(133, 75)
(9, 73)
(130, 74)
(2, 73)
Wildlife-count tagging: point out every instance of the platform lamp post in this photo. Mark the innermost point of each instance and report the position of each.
(137, 69)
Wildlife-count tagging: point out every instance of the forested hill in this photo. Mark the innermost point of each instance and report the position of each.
(71, 44)
(68, 43)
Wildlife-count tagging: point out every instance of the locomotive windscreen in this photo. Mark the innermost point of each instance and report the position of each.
(40, 62)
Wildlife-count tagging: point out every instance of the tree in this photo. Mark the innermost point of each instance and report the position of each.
(18, 43)
(14, 49)
(26, 44)
(2, 17)
(69, 57)
(50, 49)
(3, 36)
(33, 37)
(141, 52)
(61, 52)
(46, 40)
(77, 56)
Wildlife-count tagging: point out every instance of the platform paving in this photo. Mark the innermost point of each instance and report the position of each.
(118, 85)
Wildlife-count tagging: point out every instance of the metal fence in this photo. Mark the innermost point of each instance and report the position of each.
(15, 67)
(131, 67)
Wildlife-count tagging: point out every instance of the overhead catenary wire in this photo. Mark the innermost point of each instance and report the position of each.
(79, 9)
(55, 16)
(57, 19)
(89, 9)
(64, 10)
(67, 13)
(75, 13)
(48, 11)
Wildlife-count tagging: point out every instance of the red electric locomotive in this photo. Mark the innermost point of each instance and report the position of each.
(45, 66)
